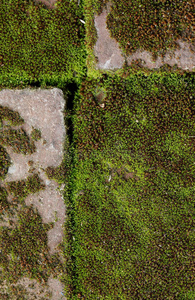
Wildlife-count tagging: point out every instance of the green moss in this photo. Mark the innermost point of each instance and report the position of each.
(26, 244)
(60, 173)
(4, 204)
(21, 189)
(18, 140)
(9, 115)
(156, 31)
(15, 292)
(124, 238)
(45, 42)
(4, 296)
(57, 173)
(132, 188)
(4, 162)
(91, 8)
(35, 134)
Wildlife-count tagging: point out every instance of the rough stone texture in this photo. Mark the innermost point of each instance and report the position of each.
(35, 290)
(110, 56)
(183, 57)
(106, 49)
(56, 287)
(41, 109)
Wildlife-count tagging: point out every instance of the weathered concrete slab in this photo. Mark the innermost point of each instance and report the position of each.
(43, 110)
(106, 49)
(110, 55)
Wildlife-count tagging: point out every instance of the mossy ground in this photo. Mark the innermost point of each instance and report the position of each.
(43, 42)
(47, 50)
(129, 188)
(24, 249)
(21, 189)
(18, 140)
(4, 162)
(11, 116)
(36, 134)
(128, 173)
(151, 25)
(133, 189)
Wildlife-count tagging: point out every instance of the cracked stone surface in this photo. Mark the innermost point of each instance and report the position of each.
(42, 109)
(110, 56)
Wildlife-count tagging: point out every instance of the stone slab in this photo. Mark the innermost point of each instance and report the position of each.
(42, 109)
(110, 56)
(106, 49)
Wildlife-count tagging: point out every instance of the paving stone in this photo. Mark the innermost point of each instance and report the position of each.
(110, 56)
(42, 109)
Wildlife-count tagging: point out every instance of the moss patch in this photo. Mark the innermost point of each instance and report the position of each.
(18, 140)
(4, 162)
(151, 25)
(4, 204)
(16, 292)
(43, 41)
(132, 189)
(23, 242)
(21, 189)
(9, 115)
(24, 249)
(35, 134)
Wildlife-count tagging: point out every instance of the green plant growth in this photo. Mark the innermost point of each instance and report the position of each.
(24, 249)
(44, 42)
(4, 162)
(13, 117)
(56, 173)
(15, 138)
(60, 172)
(35, 134)
(151, 25)
(4, 204)
(14, 292)
(18, 140)
(90, 8)
(133, 189)
(22, 188)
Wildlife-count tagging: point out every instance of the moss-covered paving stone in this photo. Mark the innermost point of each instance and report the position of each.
(32, 138)
(156, 33)
(44, 42)
(151, 25)
(133, 189)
